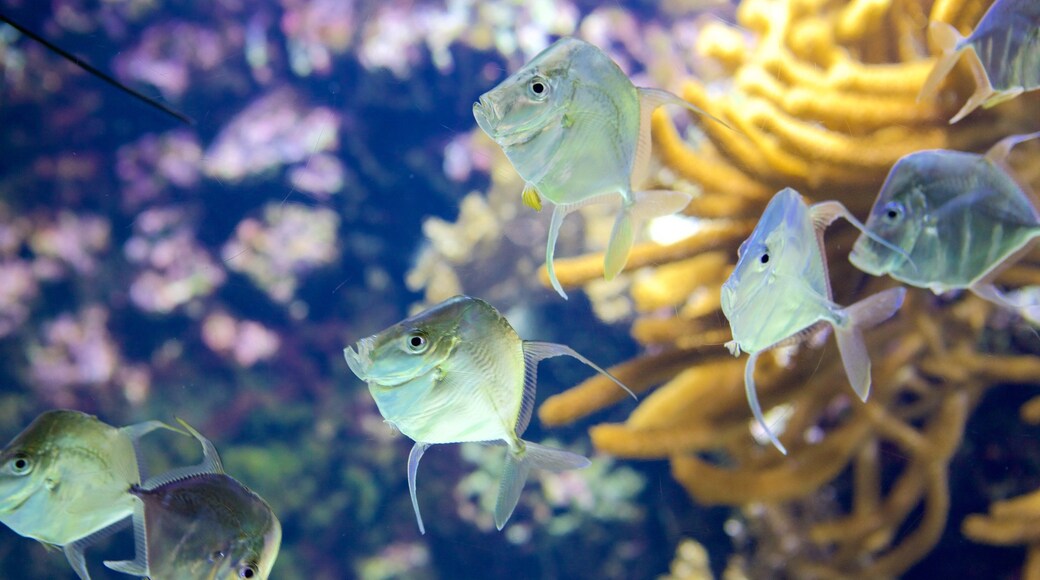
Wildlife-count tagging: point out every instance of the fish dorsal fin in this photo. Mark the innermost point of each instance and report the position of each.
(1000, 150)
(210, 463)
(535, 351)
(135, 433)
(413, 468)
(139, 565)
(74, 550)
(825, 212)
(649, 101)
(945, 37)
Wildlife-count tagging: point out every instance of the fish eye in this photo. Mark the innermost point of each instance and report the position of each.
(416, 342)
(764, 258)
(538, 88)
(893, 211)
(248, 571)
(21, 464)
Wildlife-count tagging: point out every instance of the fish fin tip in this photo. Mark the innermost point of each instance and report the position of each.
(619, 246)
(514, 476)
(413, 468)
(984, 91)
(756, 408)
(944, 37)
(535, 351)
(559, 213)
(651, 98)
(1000, 150)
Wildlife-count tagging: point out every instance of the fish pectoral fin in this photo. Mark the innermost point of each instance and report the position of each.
(535, 351)
(864, 314)
(752, 399)
(517, 467)
(944, 37)
(74, 551)
(413, 467)
(139, 565)
(983, 89)
(531, 198)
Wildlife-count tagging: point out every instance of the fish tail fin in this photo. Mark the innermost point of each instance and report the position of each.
(559, 212)
(984, 92)
(519, 464)
(647, 205)
(864, 314)
(756, 408)
(945, 37)
(139, 565)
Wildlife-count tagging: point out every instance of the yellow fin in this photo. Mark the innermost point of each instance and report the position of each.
(531, 198)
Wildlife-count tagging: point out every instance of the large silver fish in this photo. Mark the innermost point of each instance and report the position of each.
(1003, 50)
(65, 477)
(780, 292)
(578, 131)
(458, 372)
(197, 523)
(957, 218)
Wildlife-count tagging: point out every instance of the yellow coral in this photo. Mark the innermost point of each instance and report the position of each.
(824, 100)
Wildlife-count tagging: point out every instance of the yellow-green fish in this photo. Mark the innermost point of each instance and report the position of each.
(458, 372)
(780, 292)
(197, 523)
(65, 478)
(1003, 50)
(578, 131)
(957, 219)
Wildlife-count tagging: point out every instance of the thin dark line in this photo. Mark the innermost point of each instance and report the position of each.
(90, 69)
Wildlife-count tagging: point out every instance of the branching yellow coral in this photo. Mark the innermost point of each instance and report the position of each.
(823, 99)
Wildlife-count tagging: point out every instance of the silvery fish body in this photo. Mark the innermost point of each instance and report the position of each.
(197, 522)
(458, 372)
(576, 129)
(66, 477)
(780, 290)
(957, 216)
(1004, 53)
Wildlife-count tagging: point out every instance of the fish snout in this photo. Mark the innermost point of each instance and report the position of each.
(360, 361)
(486, 115)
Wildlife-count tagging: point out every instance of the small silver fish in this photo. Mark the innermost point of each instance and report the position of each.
(958, 217)
(65, 477)
(197, 522)
(578, 131)
(780, 292)
(458, 372)
(1004, 53)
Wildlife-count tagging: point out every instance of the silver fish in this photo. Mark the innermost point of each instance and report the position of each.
(958, 217)
(458, 372)
(1003, 50)
(64, 478)
(197, 522)
(780, 291)
(578, 131)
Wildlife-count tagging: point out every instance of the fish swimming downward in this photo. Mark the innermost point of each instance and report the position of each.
(64, 480)
(197, 522)
(780, 292)
(578, 131)
(956, 218)
(458, 372)
(1003, 51)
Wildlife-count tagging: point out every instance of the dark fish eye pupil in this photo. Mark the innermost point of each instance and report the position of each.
(537, 87)
(764, 259)
(892, 214)
(417, 341)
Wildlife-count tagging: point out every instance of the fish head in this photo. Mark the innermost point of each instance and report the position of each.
(409, 349)
(761, 257)
(533, 99)
(26, 461)
(898, 216)
(253, 555)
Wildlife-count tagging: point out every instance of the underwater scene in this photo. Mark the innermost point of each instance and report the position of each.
(438, 289)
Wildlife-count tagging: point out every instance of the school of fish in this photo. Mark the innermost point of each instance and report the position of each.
(577, 131)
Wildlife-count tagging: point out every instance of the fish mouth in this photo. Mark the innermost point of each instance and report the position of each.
(486, 115)
(360, 361)
(865, 258)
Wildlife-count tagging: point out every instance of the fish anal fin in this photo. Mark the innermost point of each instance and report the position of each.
(413, 467)
(519, 464)
(864, 314)
(944, 37)
(983, 89)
